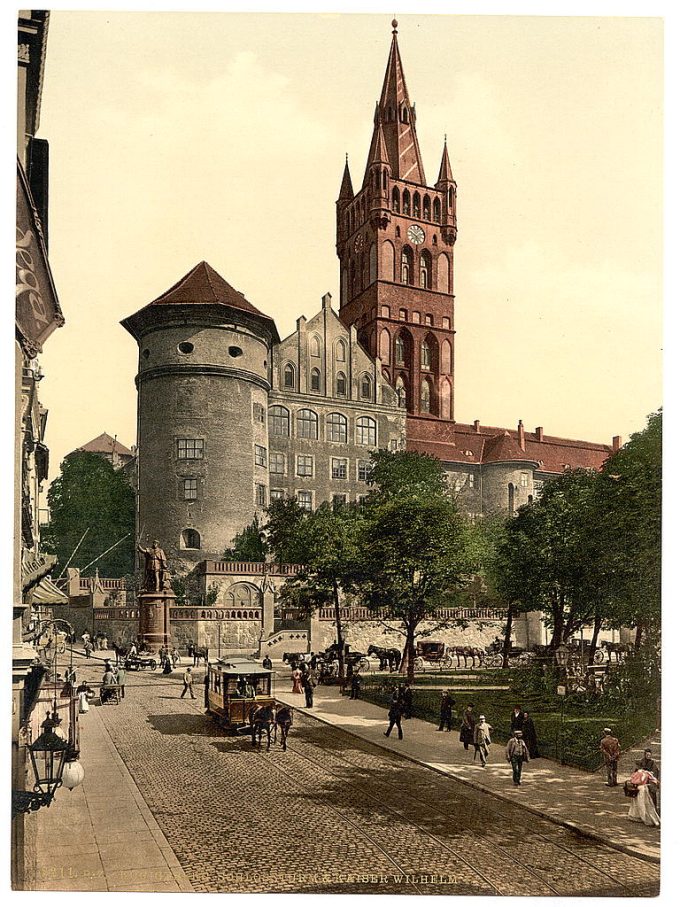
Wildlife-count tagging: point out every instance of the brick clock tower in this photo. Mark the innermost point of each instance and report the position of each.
(395, 240)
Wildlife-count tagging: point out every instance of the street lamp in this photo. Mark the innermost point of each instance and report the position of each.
(562, 657)
(47, 754)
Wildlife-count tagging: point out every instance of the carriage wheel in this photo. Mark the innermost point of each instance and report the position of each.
(494, 661)
(446, 662)
(152, 664)
(419, 664)
(598, 658)
(364, 665)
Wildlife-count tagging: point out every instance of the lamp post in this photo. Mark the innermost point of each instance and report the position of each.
(562, 657)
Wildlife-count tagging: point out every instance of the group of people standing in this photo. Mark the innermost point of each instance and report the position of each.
(643, 785)
(304, 681)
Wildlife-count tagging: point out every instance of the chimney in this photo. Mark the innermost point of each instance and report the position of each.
(616, 443)
(476, 423)
(539, 432)
(520, 435)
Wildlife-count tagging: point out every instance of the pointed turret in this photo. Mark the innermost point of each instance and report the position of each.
(346, 190)
(398, 118)
(445, 172)
(377, 154)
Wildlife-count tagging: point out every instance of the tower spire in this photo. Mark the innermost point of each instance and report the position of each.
(346, 190)
(445, 172)
(398, 118)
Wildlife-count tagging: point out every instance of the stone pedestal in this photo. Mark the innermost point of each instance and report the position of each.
(154, 618)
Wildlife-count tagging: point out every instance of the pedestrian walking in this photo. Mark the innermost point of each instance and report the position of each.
(176, 657)
(190, 650)
(639, 787)
(611, 750)
(120, 680)
(445, 711)
(296, 677)
(516, 719)
(308, 684)
(85, 695)
(407, 700)
(394, 715)
(267, 663)
(482, 740)
(167, 666)
(529, 736)
(648, 764)
(467, 727)
(188, 680)
(355, 685)
(206, 690)
(517, 753)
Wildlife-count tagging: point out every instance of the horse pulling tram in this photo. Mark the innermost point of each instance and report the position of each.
(237, 688)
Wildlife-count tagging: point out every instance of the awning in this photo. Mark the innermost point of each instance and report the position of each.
(46, 593)
(34, 568)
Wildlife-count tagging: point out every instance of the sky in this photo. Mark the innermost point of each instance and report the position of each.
(181, 137)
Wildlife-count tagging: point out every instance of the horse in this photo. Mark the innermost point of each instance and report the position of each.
(465, 652)
(200, 654)
(261, 722)
(389, 658)
(283, 723)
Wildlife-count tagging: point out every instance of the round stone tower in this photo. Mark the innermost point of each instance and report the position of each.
(202, 385)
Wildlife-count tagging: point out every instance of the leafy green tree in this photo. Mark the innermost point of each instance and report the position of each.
(285, 531)
(89, 494)
(326, 544)
(249, 545)
(414, 546)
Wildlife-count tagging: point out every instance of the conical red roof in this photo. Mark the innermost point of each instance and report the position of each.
(204, 286)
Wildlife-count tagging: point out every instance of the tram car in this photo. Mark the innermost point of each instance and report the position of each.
(236, 687)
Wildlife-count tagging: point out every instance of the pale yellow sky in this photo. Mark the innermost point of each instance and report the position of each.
(179, 137)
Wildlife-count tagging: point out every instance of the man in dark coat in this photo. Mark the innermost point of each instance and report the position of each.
(308, 684)
(445, 711)
(516, 719)
(407, 700)
(467, 727)
(529, 735)
(394, 715)
(611, 750)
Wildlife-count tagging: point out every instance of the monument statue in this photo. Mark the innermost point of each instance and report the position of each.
(155, 567)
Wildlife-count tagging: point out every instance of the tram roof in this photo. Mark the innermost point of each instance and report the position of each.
(239, 665)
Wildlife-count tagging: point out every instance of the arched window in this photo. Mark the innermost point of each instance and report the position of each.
(395, 200)
(443, 273)
(341, 351)
(340, 385)
(399, 351)
(288, 375)
(426, 356)
(384, 179)
(241, 596)
(404, 115)
(451, 198)
(388, 260)
(407, 265)
(437, 210)
(314, 346)
(366, 431)
(343, 285)
(445, 399)
(307, 424)
(425, 270)
(425, 396)
(446, 358)
(406, 202)
(336, 428)
(373, 263)
(416, 204)
(385, 346)
(189, 538)
(366, 387)
(315, 382)
(426, 207)
(279, 422)
(401, 391)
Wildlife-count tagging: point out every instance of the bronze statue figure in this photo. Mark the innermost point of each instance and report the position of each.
(155, 567)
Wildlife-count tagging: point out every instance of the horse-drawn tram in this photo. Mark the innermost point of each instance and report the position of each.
(237, 687)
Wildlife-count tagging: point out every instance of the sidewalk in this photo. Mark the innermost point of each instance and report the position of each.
(576, 799)
(101, 836)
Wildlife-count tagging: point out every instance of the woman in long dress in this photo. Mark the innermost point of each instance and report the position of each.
(297, 680)
(642, 807)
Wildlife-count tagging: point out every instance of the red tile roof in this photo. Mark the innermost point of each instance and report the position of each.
(104, 443)
(203, 285)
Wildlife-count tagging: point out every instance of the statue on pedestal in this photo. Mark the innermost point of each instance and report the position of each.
(155, 568)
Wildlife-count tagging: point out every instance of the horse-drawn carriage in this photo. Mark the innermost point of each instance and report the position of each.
(140, 662)
(517, 656)
(434, 653)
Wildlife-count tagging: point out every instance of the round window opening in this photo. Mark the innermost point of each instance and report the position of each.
(185, 347)
(145, 354)
(235, 351)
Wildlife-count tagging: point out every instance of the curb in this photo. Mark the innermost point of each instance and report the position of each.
(565, 823)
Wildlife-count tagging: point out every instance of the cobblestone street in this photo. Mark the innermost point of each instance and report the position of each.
(338, 814)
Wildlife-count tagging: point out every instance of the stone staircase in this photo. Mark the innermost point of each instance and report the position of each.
(284, 641)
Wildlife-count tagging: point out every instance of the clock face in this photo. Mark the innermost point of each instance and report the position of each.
(416, 234)
(358, 242)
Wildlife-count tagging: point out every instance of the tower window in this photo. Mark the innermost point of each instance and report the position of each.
(189, 538)
(446, 324)
(425, 270)
(416, 317)
(277, 464)
(276, 494)
(279, 422)
(395, 200)
(307, 424)
(401, 391)
(258, 413)
(406, 202)
(338, 468)
(426, 207)
(315, 379)
(425, 397)
(366, 431)
(336, 428)
(260, 495)
(403, 314)
(260, 455)
(427, 354)
(235, 352)
(190, 448)
(416, 205)
(437, 211)
(428, 320)
(289, 376)
(305, 465)
(185, 347)
(305, 500)
(407, 265)
(384, 311)
(399, 351)
(190, 489)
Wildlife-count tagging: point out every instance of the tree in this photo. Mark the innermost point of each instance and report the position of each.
(89, 494)
(284, 531)
(326, 544)
(249, 545)
(414, 546)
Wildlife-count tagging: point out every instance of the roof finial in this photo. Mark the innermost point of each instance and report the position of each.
(394, 26)
(445, 138)
(346, 158)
